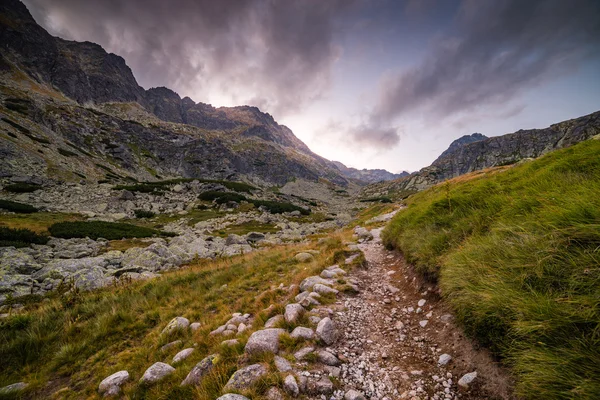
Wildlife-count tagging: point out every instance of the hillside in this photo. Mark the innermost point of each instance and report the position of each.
(515, 253)
(73, 111)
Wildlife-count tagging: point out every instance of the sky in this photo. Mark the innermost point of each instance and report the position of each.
(373, 84)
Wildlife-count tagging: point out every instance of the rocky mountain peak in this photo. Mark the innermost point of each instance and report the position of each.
(461, 142)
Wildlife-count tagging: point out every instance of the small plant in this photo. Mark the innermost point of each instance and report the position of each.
(143, 214)
(17, 207)
(20, 237)
(21, 188)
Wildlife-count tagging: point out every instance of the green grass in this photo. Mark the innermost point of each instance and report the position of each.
(76, 340)
(101, 229)
(517, 254)
(377, 199)
(247, 227)
(37, 222)
(143, 214)
(221, 197)
(276, 207)
(13, 206)
(21, 188)
(20, 237)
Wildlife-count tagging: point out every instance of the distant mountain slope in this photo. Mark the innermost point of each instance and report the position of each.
(463, 157)
(74, 93)
(461, 142)
(368, 175)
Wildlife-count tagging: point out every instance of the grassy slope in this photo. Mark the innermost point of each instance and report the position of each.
(74, 341)
(517, 254)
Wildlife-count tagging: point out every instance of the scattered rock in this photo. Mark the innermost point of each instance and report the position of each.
(195, 326)
(14, 388)
(176, 324)
(290, 386)
(421, 302)
(302, 332)
(182, 355)
(156, 372)
(111, 385)
(321, 386)
(271, 322)
(282, 364)
(303, 352)
(444, 359)
(266, 340)
(354, 395)
(322, 289)
(467, 379)
(293, 312)
(230, 342)
(232, 396)
(327, 358)
(326, 331)
(308, 283)
(200, 370)
(171, 345)
(274, 394)
(246, 377)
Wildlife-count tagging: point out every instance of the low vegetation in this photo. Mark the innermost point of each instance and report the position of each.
(276, 207)
(247, 227)
(21, 188)
(161, 186)
(517, 255)
(101, 229)
(20, 237)
(221, 197)
(87, 336)
(143, 214)
(377, 199)
(16, 207)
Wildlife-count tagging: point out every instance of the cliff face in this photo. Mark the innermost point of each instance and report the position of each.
(73, 93)
(502, 150)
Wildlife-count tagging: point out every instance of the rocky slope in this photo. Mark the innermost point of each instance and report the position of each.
(71, 110)
(476, 152)
(368, 175)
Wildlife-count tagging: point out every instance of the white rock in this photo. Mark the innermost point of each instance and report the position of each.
(266, 340)
(444, 359)
(111, 385)
(195, 326)
(282, 364)
(421, 302)
(177, 323)
(156, 372)
(293, 312)
(291, 386)
(467, 379)
(353, 395)
(326, 331)
(182, 355)
(302, 332)
(423, 323)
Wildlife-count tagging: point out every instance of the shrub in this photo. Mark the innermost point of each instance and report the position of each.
(20, 237)
(275, 207)
(101, 229)
(22, 188)
(143, 214)
(17, 207)
(221, 197)
(377, 199)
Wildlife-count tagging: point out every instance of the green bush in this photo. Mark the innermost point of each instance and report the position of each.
(17, 207)
(101, 229)
(21, 188)
(143, 214)
(20, 237)
(221, 197)
(276, 207)
(160, 186)
(377, 199)
(516, 254)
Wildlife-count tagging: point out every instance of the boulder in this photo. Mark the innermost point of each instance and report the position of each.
(200, 370)
(266, 340)
(273, 321)
(293, 312)
(13, 388)
(318, 387)
(171, 345)
(274, 394)
(291, 386)
(303, 352)
(111, 385)
(322, 289)
(182, 355)
(232, 396)
(246, 377)
(282, 364)
(328, 358)
(303, 333)
(255, 237)
(467, 379)
(176, 324)
(326, 331)
(194, 326)
(156, 372)
(308, 283)
(444, 359)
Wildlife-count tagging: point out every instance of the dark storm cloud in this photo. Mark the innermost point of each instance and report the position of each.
(277, 54)
(362, 136)
(495, 50)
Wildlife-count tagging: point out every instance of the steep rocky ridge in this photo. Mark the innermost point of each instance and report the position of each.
(473, 153)
(62, 95)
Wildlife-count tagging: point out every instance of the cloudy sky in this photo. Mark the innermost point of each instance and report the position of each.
(374, 84)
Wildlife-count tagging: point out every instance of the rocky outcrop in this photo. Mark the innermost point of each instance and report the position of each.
(368, 175)
(124, 131)
(475, 152)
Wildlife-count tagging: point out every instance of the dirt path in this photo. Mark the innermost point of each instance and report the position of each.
(396, 329)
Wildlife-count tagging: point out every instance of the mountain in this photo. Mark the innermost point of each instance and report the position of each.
(476, 152)
(70, 110)
(461, 142)
(368, 175)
